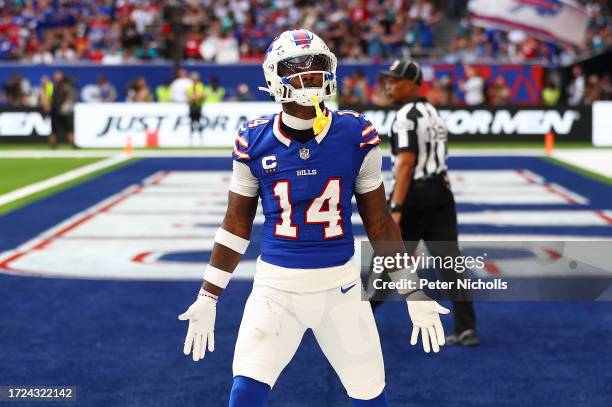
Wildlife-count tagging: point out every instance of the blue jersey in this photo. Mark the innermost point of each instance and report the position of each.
(306, 188)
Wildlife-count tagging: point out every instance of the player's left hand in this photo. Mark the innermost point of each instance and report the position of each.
(425, 316)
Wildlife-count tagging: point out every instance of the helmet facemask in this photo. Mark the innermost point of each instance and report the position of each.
(306, 76)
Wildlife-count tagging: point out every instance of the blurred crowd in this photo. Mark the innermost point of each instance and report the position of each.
(19, 91)
(475, 90)
(490, 45)
(472, 90)
(230, 31)
(225, 31)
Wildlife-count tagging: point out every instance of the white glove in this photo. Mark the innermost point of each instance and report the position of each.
(201, 315)
(425, 318)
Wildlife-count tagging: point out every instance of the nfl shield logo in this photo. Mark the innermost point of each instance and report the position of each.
(304, 153)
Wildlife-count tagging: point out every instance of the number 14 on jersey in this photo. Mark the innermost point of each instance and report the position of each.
(324, 209)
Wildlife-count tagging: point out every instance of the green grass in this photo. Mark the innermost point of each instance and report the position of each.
(19, 172)
(599, 177)
(66, 147)
(25, 171)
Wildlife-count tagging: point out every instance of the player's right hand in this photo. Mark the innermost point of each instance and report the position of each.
(201, 315)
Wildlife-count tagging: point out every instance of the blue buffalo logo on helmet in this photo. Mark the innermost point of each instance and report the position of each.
(302, 38)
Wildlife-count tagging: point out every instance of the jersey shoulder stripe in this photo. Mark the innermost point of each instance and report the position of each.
(365, 132)
(248, 136)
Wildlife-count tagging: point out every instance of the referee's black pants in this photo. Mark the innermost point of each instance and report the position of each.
(429, 214)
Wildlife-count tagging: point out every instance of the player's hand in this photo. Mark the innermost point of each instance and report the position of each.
(425, 316)
(201, 315)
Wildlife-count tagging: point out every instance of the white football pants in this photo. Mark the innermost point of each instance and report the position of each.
(274, 322)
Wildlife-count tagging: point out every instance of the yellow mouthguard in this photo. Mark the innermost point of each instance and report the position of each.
(321, 121)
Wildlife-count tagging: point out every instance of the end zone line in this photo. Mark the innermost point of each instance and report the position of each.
(70, 224)
(84, 217)
(568, 196)
(60, 179)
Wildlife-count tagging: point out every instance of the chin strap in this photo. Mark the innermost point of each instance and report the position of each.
(321, 121)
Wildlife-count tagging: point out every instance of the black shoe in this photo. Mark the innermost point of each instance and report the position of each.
(469, 337)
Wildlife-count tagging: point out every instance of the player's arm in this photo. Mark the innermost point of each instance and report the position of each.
(386, 238)
(231, 242)
(238, 221)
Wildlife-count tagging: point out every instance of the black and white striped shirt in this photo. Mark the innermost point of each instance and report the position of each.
(418, 127)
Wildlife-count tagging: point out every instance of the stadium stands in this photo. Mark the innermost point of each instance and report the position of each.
(361, 33)
(228, 31)
(476, 44)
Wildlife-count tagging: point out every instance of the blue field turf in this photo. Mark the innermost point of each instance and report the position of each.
(121, 342)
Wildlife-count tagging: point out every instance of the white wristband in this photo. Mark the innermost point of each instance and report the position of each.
(217, 276)
(231, 241)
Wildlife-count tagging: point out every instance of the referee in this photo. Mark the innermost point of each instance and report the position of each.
(421, 201)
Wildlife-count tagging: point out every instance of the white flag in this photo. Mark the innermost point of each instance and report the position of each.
(563, 21)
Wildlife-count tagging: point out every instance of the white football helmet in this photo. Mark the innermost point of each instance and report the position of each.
(294, 54)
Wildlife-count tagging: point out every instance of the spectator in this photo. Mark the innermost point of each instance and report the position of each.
(114, 56)
(448, 91)
(214, 93)
(243, 93)
(473, 87)
(575, 89)
(139, 91)
(355, 89)
(499, 92)
(228, 50)
(65, 53)
(195, 99)
(106, 91)
(63, 98)
(13, 94)
(379, 93)
(192, 44)
(146, 52)
(376, 46)
(178, 87)
(434, 94)
(163, 93)
(45, 94)
(551, 93)
(606, 87)
(42, 55)
(130, 37)
(592, 91)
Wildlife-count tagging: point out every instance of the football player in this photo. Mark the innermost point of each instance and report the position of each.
(305, 163)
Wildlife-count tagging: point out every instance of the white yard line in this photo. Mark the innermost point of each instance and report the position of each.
(60, 179)
(598, 161)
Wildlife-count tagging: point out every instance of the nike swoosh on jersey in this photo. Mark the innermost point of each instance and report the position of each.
(346, 290)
